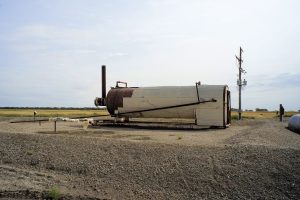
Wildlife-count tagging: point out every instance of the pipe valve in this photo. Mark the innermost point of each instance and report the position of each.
(100, 101)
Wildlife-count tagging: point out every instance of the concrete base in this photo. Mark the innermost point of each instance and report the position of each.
(152, 125)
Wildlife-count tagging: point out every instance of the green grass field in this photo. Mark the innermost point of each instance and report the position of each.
(50, 113)
(87, 113)
(260, 115)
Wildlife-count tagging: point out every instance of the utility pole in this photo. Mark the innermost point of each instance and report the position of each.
(240, 83)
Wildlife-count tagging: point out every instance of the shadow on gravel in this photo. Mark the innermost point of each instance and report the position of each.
(27, 194)
(77, 132)
(295, 131)
(139, 128)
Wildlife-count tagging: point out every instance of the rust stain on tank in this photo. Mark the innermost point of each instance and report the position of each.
(115, 98)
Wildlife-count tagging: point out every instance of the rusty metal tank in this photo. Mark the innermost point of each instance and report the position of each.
(207, 104)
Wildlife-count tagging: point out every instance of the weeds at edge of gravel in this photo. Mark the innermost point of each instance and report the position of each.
(179, 137)
(53, 193)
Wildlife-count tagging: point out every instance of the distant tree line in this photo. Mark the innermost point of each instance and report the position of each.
(261, 110)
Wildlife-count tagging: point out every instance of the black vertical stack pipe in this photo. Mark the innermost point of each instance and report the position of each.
(103, 81)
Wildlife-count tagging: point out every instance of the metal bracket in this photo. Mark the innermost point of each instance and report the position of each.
(118, 82)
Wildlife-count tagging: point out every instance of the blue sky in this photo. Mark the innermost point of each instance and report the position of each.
(51, 51)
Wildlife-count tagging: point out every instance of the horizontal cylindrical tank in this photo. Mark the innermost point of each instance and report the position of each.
(294, 123)
(211, 102)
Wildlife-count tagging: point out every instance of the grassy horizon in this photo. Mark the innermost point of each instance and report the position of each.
(92, 112)
(261, 114)
(51, 112)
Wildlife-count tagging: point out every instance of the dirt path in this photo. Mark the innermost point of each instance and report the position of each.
(251, 159)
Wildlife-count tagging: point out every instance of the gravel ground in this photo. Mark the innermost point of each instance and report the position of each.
(253, 159)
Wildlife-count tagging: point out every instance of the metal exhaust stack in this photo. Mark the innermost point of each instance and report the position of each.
(103, 81)
(102, 101)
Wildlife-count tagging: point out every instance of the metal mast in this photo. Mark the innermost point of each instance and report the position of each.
(240, 83)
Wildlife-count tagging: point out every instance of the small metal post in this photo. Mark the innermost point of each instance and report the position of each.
(34, 114)
(55, 126)
(198, 83)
